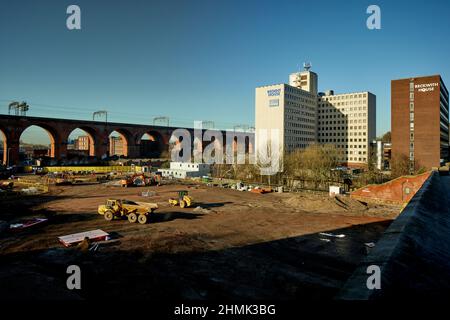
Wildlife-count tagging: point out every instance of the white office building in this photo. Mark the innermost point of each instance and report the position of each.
(348, 121)
(303, 116)
(291, 111)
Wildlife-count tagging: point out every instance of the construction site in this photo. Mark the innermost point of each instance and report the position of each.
(189, 154)
(144, 235)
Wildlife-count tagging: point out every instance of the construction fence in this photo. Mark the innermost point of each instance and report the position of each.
(95, 169)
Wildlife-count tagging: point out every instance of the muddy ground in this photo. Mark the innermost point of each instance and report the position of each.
(239, 245)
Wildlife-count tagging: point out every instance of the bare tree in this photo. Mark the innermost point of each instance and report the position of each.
(386, 138)
(314, 163)
(400, 165)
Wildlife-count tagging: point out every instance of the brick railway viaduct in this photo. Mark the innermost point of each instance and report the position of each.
(12, 127)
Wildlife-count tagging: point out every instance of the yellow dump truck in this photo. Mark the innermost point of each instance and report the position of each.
(132, 210)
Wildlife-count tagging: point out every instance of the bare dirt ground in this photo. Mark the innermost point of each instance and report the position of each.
(239, 245)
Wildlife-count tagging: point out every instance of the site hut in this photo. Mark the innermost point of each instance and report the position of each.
(184, 170)
(348, 121)
(288, 111)
(420, 121)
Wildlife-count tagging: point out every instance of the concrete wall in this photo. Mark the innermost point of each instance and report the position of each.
(397, 191)
(414, 252)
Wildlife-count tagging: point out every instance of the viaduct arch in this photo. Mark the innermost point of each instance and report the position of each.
(12, 127)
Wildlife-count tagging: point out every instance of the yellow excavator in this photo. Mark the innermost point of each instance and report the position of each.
(184, 200)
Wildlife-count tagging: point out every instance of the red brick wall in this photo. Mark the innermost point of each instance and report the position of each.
(426, 121)
(394, 191)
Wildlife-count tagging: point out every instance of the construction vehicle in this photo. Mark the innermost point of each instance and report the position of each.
(140, 180)
(6, 185)
(184, 200)
(133, 210)
(261, 190)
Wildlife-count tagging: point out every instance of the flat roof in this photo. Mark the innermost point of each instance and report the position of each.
(347, 93)
(271, 85)
(415, 77)
(286, 85)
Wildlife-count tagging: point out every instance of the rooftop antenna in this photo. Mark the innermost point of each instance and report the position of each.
(307, 66)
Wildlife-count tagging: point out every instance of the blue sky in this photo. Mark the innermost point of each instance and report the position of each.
(201, 60)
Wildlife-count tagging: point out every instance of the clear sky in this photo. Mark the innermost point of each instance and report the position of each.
(202, 59)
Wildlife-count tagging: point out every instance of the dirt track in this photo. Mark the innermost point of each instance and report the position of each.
(240, 245)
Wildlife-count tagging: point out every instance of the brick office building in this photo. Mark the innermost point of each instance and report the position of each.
(420, 121)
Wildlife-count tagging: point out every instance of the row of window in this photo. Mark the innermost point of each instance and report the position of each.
(344, 97)
(351, 115)
(299, 92)
(299, 125)
(334, 110)
(411, 124)
(342, 140)
(357, 133)
(293, 98)
(301, 106)
(323, 125)
(302, 119)
(351, 121)
(340, 134)
(363, 159)
(344, 103)
(291, 138)
(343, 128)
(300, 132)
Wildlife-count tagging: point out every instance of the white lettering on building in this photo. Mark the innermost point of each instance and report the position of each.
(426, 86)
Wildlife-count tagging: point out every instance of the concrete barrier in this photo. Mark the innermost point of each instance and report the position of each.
(414, 252)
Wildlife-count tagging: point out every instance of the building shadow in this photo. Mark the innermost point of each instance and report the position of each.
(169, 216)
(211, 204)
(311, 267)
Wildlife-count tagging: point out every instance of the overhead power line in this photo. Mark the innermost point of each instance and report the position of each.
(77, 113)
